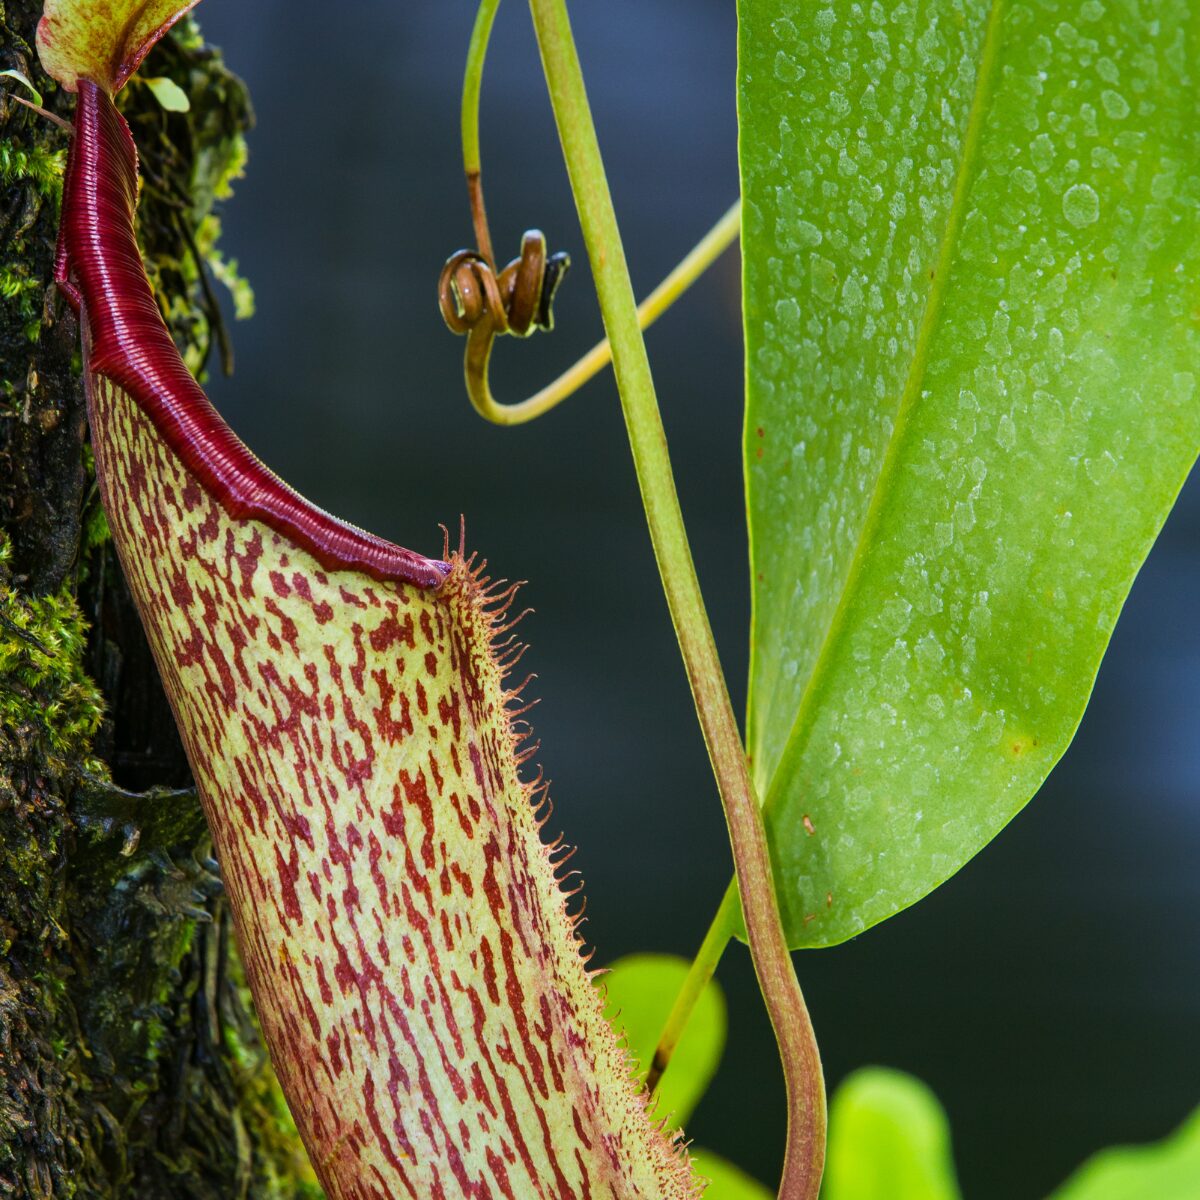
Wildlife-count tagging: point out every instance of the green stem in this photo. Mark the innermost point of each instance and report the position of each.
(472, 84)
(805, 1153)
(704, 965)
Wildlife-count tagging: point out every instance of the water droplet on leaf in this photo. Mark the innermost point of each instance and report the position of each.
(1081, 205)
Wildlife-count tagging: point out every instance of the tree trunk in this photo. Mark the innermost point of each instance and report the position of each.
(129, 1062)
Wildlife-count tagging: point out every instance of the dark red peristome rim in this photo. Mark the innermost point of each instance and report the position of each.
(100, 270)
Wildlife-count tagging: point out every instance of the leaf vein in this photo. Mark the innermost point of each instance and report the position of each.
(912, 386)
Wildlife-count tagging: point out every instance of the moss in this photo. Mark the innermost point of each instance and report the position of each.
(35, 164)
(43, 685)
(38, 169)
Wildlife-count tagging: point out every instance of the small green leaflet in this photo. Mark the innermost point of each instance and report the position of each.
(726, 1181)
(169, 94)
(22, 78)
(641, 989)
(888, 1140)
(972, 335)
(1167, 1170)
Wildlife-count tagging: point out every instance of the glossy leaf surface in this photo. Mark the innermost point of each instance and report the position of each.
(973, 337)
(888, 1140)
(1168, 1170)
(640, 991)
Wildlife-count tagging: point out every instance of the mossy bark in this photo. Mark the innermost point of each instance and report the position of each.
(129, 1062)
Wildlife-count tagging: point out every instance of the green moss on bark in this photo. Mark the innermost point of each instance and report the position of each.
(130, 1064)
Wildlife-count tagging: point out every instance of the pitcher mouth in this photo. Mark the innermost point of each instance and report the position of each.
(99, 268)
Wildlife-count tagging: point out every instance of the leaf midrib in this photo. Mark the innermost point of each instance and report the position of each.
(912, 386)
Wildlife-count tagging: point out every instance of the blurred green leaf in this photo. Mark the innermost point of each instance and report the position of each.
(888, 1140)
(972, 337)
(169, 94)
(727, 1182)
(641, 990)
(1167, 1170)
(22, 78)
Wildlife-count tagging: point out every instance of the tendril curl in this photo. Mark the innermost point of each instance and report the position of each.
(477, 301)
(480, 302)
(517, 301)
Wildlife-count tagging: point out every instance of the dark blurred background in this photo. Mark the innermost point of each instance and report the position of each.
(1050, 993)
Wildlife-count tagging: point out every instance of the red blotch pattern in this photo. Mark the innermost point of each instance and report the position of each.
(415, 967)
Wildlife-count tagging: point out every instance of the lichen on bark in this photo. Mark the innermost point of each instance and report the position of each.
(129, 1061)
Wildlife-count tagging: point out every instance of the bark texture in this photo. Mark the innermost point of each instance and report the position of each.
(130, 1065)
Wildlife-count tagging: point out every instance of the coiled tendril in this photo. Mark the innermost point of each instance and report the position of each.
(516, 301)
(477, 300)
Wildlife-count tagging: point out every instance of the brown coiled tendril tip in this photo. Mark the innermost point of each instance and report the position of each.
(518, 300)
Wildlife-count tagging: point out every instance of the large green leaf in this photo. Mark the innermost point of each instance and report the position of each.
(888, 1140)
(972, 336)
(1168, 1170)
